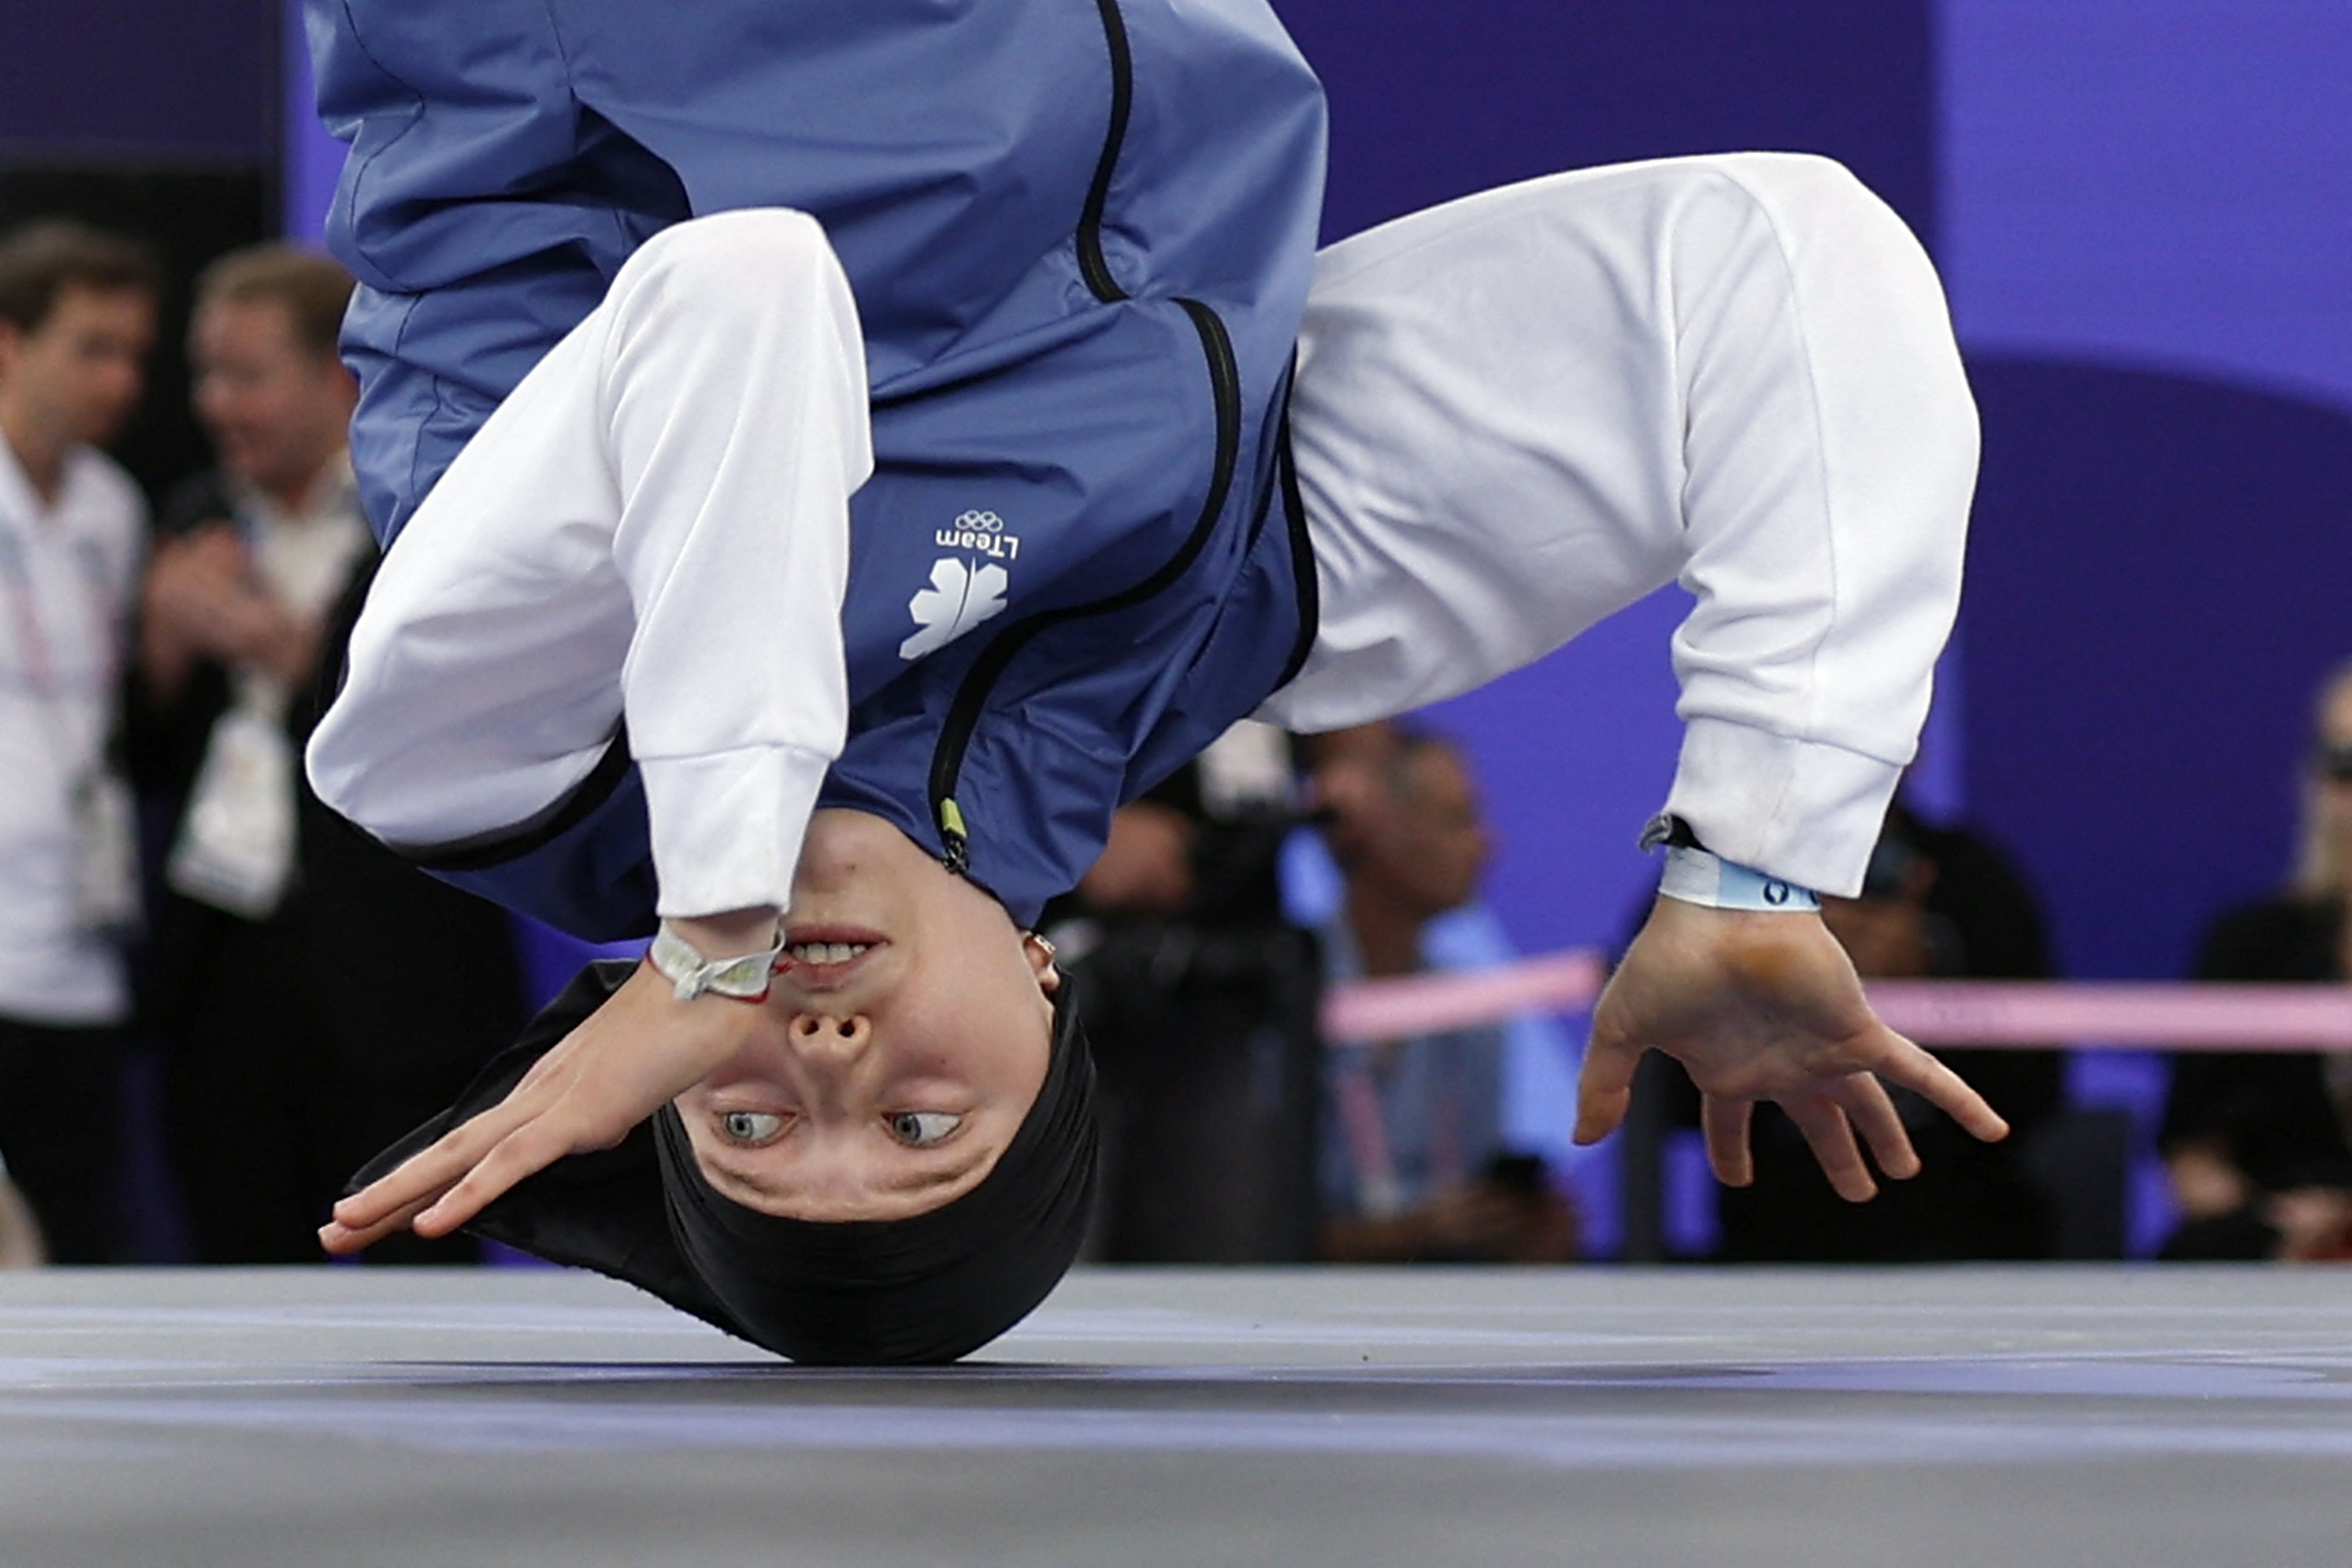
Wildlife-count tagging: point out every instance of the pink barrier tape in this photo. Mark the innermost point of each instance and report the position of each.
(1998, 1012)
(2121, 1017)
(1421, 1003)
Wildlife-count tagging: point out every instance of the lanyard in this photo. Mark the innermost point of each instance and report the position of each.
(41, 671)
(1379, 1193)
(24, 615)
(1363, 1121)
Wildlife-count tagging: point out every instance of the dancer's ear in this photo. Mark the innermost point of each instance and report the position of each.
(1040, 953)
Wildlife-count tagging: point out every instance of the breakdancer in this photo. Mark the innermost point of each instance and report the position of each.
(830, 457)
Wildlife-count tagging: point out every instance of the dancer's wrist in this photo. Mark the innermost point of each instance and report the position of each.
(1704, 878)
(1697, 875)
(745, 955)
(729, 934)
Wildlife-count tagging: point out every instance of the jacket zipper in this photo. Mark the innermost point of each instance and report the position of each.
(971, 696)
(1092, 264)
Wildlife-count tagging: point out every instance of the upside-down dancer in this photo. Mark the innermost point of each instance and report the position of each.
(830, 457)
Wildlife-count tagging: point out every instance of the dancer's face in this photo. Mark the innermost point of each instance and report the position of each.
(899, 1051)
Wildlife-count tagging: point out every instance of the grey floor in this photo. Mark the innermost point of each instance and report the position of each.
(1962, 1416)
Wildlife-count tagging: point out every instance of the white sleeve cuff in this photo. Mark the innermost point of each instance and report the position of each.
(1798, 810)
(727, 827)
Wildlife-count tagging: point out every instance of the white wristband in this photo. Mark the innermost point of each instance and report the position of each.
(680, 962)
(1697, 877)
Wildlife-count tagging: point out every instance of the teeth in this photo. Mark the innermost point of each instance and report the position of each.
(826, 952)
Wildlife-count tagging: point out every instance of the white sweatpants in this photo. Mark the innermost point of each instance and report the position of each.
(1513, 414)
(1519, 412)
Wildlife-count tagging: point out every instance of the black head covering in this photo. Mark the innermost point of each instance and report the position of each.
(862, 1292)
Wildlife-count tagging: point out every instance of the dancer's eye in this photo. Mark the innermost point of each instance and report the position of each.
(920, 1129)
(750, 1126)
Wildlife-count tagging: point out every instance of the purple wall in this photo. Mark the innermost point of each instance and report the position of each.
(310, 160)
(2147, 235)
(2165, 183)
(190, 81)
(1433, 102)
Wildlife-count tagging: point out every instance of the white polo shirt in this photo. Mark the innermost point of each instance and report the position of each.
(68, 577)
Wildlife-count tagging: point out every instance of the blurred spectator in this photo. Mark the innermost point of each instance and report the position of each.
(1942, 903)
(1199, 1002)
(317, 996)
(77, 319)
(1412, 1159)
(2256, 1143)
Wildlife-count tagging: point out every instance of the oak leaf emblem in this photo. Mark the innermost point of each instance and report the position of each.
(959, 599)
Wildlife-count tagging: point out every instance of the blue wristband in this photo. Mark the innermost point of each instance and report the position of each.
(1699, 876)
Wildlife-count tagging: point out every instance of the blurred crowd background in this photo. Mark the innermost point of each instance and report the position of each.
(214, 1000)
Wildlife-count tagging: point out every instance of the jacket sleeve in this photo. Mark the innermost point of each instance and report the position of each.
(483, 209)
(628, 536)
(1520, 413)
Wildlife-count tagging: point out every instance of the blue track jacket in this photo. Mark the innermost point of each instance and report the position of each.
(1080, 235)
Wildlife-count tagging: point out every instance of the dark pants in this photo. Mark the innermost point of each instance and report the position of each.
(252, 1102)
(1206, 1053)
(301, 1045)
(61, 1124)
(266, 1118)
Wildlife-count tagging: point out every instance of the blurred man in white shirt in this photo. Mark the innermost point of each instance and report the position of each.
(77, 319)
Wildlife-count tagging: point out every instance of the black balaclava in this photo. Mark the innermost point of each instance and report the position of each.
(928, 1289)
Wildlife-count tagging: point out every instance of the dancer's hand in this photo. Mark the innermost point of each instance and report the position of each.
(1764, 1007)
(641, 1048)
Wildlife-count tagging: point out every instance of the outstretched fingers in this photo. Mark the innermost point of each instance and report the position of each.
(1905, 1064)
(421, 1181)
(443, 1188)
(340, 1238)
(425, 1176)
(525, 1151)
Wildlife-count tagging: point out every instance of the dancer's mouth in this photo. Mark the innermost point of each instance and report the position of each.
(824, 957)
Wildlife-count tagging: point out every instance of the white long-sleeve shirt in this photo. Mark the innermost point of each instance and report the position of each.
(657, 523)
(1523, 411)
